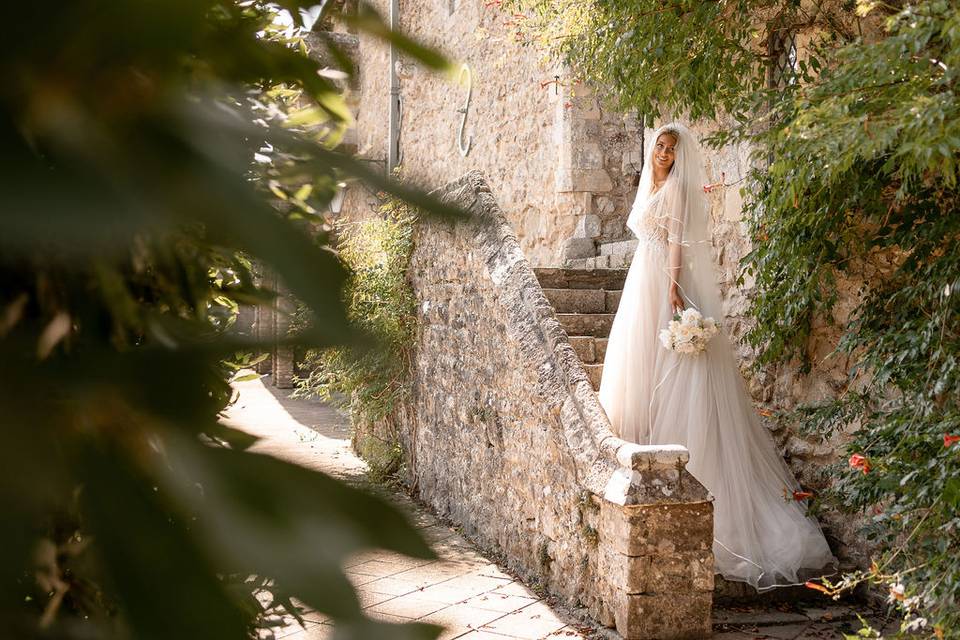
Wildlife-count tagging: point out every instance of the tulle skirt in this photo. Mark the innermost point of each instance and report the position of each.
(652, 395)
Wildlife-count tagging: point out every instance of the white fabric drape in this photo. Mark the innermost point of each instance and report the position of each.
(655, 396)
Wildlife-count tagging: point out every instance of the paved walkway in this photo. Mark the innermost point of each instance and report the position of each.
(462, 591)
(470, 596)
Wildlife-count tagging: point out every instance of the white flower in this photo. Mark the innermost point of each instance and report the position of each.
(896, 592)
(689, 332)
(690, 315)
(666, 338)
(912, 603)
(914, 625)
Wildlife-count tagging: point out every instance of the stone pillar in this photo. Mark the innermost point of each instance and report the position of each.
(580, 171)
(263, 329)
(655, 547)
(282, 357)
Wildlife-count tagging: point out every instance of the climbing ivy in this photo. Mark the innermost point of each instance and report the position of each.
(369, 379)
(855, 154)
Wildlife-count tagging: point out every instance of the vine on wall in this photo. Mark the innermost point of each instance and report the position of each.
(856, 162)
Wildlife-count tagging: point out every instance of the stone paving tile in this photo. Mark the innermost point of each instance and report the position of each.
(803, 622)
(786, 631)
(413, 606)
(372, 598)
(503, 602)
(516, 589)
(463, 588)
(462, 591)
(394, 586)
(459, 619)
(532, 622)
(378, 568)
(757, 616)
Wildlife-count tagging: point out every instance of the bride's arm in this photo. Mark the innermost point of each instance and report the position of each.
(676, 300)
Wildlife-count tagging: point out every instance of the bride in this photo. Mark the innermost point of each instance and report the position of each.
(654, 395)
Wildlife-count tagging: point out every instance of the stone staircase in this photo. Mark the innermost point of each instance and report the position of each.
(585, 301)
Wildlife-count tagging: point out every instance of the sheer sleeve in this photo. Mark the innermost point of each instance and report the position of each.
(676, 222)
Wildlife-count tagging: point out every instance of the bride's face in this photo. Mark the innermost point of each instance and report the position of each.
(664, 151)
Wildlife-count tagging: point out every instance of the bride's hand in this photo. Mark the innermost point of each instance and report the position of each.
(676, 300)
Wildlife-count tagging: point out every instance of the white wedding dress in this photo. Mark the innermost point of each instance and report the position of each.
(653, 395)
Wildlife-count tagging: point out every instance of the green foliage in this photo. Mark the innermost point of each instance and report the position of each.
(144, 147)
(854, 194)
(369, 381)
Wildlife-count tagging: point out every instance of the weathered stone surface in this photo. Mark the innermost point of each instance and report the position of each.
(619, 247)
(586, 324)
(592, 180)
(613, 301)
(660, 573)
(651, 529)
(503, 432)
(589, 226)
(600, 344)
(574, 248)
(585, 348)
(556, 278)
(530, 139)
(594, 373)
(577, 300)
(670, 615)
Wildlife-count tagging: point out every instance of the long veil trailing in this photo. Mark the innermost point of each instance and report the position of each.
(653, 395)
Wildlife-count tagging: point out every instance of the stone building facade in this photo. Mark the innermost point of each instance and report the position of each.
(563, 168)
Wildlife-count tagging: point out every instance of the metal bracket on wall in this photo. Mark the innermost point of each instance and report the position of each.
(464, 147)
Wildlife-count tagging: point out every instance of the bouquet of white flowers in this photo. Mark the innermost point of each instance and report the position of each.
(688, 332)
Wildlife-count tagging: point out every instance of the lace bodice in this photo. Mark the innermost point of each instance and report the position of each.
(652, 228)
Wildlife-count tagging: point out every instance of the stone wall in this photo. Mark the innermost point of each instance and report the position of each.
(563, 166)
(504, 434)
(555, 155)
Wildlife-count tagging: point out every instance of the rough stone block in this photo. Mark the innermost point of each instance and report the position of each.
(637, 530)
(631, 161)
(620, 247)
(663, 573)
(585, 348)
(594, 373)
(592, 180)
(600, 348)
(586, 324)
(613, 301)
(668, 616)
(588, 227)
(576, 300)
(605, 206)
(574, 248)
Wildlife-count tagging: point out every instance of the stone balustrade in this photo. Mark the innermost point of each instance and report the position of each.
(503, 433)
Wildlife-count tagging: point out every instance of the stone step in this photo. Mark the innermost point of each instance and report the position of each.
(561, 278)
(731, 592)
(620, 247)
(594, 373)
(586, 324)
(612, 301)
(600, 348)
(589, 349)
(577, 300)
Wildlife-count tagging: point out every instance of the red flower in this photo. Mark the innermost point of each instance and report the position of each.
(858, 461)
(950, 439)
(802, 495)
